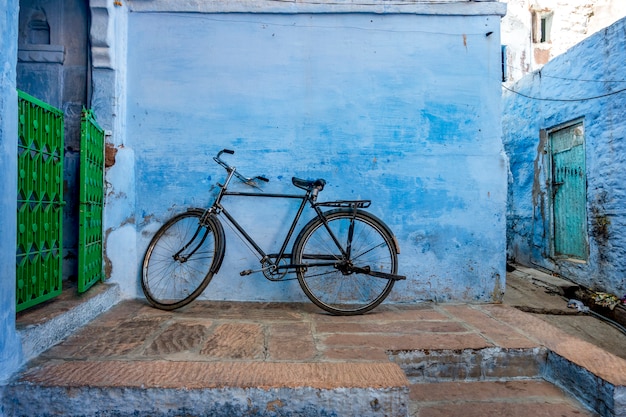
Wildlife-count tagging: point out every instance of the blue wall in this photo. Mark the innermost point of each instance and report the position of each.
(10, 349)
(593, 68)
(403, 109)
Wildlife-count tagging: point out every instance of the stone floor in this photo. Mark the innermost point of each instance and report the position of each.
(227, 358)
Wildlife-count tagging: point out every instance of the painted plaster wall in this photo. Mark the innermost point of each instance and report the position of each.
(403, 109)
(592, 68)
(10, 352)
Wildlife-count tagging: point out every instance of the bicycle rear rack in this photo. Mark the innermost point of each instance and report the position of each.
(346, 203)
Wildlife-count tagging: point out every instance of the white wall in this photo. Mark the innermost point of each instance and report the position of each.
(572, 21)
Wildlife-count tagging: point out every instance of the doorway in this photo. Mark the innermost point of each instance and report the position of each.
(569, 192)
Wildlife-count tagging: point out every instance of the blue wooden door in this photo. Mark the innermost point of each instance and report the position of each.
(569, 191)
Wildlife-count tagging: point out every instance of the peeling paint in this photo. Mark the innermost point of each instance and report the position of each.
(109, 155)
(498, 288)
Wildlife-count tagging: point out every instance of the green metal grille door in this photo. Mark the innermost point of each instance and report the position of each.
(90, 242)
(39, 202)
(569, 187)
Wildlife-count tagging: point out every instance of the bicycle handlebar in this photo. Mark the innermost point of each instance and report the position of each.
(229, 168)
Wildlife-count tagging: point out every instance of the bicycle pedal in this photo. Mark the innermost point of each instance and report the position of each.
(246, 272)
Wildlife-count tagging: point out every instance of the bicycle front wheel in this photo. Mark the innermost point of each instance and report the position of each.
(337, 282)
(181, 259)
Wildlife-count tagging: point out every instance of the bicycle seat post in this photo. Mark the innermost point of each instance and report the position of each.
(314, 192)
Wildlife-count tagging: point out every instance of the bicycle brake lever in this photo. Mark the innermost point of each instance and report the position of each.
(251, 183)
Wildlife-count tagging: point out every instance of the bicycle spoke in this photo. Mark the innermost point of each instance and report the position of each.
(340, 289)
(178, 261)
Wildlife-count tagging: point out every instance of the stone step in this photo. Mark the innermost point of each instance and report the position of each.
(471, 364)
(42, 327)
(514, 398)
(167, 388)
(472, 382)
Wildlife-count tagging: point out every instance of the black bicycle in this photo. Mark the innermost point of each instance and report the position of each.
(345, 258)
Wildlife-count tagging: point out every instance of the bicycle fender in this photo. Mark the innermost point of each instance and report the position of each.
(220, 250)
(384, 225)
(340, 210)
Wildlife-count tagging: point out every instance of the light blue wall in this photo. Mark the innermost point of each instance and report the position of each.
(10, 350)
(403, 109)
(592, 68)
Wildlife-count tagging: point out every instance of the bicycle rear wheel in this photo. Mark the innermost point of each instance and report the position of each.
(181, 259)
(329, 279)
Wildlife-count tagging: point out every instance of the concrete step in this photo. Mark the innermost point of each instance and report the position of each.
(42, 327)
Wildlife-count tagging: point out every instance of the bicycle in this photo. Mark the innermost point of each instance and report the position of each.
(345, 258)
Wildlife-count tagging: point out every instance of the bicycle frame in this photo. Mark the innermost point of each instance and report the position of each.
(310, 196)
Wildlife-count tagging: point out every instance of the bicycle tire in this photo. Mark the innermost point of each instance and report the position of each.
(327, 286)
(169, 283)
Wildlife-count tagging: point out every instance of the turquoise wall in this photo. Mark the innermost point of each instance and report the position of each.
(586, 84)
(402, 109)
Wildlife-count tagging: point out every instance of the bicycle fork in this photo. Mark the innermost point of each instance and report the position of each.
(179, 257)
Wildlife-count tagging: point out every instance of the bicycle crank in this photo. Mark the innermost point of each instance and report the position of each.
(270, 271)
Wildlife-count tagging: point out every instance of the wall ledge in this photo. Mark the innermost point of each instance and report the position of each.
(423, 7)
(41, 53)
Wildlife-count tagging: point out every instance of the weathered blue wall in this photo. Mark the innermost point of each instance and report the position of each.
(593, 68)
(10, 348)
(400, 108)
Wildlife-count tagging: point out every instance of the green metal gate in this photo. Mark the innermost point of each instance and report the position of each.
(39, 202)
(90, 242)
(569, 191)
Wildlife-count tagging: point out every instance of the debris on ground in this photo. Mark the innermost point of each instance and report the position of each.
(606, 300)
(578, 305)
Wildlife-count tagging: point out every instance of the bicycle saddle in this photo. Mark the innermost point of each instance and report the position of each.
(308, 184)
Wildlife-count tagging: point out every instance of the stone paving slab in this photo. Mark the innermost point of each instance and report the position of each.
(605, 365)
